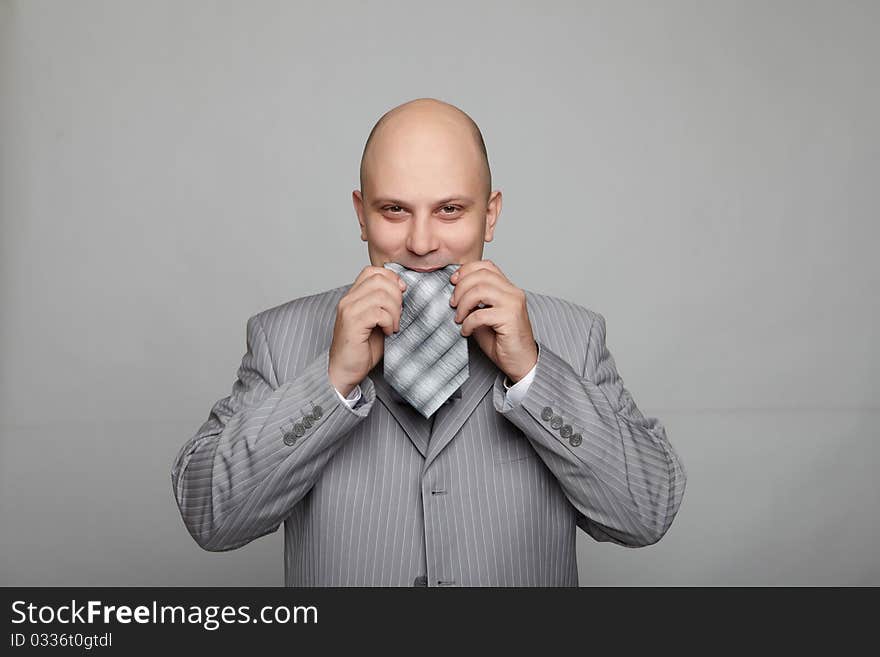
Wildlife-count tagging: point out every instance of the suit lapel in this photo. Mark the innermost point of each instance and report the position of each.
(416, 427)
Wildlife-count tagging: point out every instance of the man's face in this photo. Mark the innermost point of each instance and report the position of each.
(424, 200)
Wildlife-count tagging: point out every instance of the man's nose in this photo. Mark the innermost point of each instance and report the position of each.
(421, 238)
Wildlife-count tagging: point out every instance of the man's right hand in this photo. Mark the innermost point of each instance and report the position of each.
(364, 316)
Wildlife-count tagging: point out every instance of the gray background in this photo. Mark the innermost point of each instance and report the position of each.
(702, 174)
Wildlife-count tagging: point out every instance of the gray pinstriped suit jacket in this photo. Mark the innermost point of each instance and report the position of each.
(473, 496)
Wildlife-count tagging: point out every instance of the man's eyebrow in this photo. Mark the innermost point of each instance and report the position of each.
(393, 201)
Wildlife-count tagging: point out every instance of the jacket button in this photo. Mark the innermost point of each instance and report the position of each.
(289, 439)
(546, 413)
(298, 430)
(421, 580)
(565, 431)
(575, 440)
(306, 422)
(317, 412)
(556, 422)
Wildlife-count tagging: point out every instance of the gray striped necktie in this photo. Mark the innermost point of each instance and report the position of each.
(426, 362)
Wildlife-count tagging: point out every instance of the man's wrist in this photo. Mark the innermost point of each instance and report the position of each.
(344, 389)
(511, 380)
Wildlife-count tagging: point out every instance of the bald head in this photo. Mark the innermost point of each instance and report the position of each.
(426, 118)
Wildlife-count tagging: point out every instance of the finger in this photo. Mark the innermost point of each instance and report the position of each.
(393, 304)
(376, 315)
(482, 293)
(478, 318)
(381, 299)
(376, 282)
(483, 276)
(385, 320)
(469, 268)
(373, 271)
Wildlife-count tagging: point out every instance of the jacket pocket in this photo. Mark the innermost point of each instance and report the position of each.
(511, 449)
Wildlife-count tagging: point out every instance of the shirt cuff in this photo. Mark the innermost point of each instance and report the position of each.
(353, 397)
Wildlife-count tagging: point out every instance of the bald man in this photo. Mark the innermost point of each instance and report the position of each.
(489, 489)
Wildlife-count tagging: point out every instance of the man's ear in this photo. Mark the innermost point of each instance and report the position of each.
(358, 201)
(493, 209)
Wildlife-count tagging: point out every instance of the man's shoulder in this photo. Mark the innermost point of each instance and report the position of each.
(558, 308)
(310, 305)
(561, 325)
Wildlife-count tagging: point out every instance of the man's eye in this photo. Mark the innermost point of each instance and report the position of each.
(392, 208)
(453, 208)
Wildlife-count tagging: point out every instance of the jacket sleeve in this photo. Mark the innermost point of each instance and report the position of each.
(245, 468)
(615, 466)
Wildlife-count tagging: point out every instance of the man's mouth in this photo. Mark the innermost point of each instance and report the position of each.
(422, 269)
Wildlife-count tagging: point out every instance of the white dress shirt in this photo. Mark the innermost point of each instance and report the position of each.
(514, 395)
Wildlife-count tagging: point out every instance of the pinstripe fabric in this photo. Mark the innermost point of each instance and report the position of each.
(378, 495)
(427, 360)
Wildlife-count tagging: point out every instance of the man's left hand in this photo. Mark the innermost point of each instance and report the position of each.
(501, 328)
